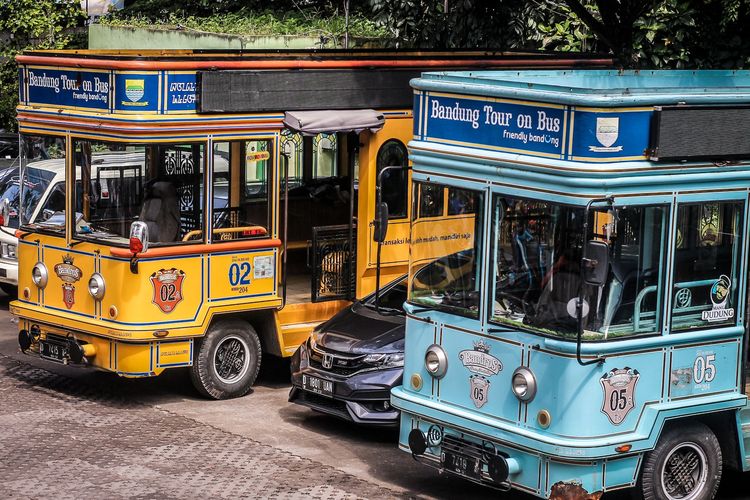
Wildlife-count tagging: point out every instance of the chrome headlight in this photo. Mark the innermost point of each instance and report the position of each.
(523, 384)
(436, 361)
(393, 359)
(96, 286)
(39, 274)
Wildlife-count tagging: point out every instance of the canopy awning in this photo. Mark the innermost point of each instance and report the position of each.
(329, 121)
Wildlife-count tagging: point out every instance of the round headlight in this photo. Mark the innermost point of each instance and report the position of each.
(39, 275)
(96, 286)
(524, 384)
(436, 361)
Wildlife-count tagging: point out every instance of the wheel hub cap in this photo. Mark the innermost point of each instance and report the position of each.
(231, 359)
(684, 473)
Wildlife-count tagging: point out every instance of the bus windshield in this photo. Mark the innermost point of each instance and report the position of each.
(537, 248)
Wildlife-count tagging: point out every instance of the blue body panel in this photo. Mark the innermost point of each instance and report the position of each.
(570, 137)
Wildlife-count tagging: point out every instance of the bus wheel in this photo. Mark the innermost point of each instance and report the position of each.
(685, 465)
(227, 361)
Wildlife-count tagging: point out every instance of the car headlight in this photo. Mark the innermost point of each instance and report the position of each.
(39, 274)
(9, 251)
(96, 286)
(436, 361)
(523, 384)
(385, 360)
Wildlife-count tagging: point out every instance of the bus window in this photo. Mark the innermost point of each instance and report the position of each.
(537, 254)
(118, 183)
(241, 187)
(394, 182)
(460, 201)
(706, 266)
(325, 153)
(443, 268)
(430, 200)
(292, 148)
(43, 160)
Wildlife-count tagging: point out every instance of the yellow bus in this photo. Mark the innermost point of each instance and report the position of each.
(217, 205)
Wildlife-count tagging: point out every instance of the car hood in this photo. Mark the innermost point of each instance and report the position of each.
(360, 330)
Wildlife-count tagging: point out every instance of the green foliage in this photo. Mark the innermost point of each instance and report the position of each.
(247, 22)
(32, 24)
(464, 23)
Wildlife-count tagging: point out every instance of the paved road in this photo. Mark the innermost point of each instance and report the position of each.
(72, 433)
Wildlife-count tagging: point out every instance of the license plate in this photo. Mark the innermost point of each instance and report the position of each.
(462, 464)
(317, 385)
(53, 351)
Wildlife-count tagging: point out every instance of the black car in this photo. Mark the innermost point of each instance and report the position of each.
(350, 363)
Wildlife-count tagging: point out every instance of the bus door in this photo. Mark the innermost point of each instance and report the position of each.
(320, 227)
(322, 191)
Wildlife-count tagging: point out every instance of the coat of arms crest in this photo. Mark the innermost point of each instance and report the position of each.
(167, 285)
(619, 393)
(68, 274)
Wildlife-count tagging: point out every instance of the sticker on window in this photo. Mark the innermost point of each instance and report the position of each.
(719, 296)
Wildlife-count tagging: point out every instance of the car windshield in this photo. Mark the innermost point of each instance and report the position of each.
(537, 257)
(390, 299)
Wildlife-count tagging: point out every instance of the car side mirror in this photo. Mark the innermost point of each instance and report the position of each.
(381, 222)
(595, 263)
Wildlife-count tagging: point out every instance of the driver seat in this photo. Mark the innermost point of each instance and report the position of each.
(161, 212)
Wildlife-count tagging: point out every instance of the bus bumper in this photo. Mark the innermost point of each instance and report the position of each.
(126, 358)
(503, 466)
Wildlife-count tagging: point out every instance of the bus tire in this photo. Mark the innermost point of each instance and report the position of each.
(227, 360)
(686, 464)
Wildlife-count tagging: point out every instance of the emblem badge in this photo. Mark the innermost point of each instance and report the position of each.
(719, 295)
(607, 132)
(167, 285)
(69, 274)
(134, 89)
(482, 364)
(618, 386)
(327, 361)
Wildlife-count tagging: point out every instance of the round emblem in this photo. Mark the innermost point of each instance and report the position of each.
(434, 436)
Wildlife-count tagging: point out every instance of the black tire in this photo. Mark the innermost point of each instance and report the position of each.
(227, 360)
(689, 449)
(10, 290)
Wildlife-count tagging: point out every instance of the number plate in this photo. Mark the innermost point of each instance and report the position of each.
(53, 351)
(317, 385)
(462, 464)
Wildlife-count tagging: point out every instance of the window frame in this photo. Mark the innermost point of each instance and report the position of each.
(741, 276)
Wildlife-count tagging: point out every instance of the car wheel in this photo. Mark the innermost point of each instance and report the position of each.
(10, 290)
(227, 360)
(685, 465)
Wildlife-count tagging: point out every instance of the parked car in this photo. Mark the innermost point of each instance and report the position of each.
(350, 363)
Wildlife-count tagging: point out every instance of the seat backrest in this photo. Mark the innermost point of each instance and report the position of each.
(161, 212)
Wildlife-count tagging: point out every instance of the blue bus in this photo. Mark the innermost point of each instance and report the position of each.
(584, 329)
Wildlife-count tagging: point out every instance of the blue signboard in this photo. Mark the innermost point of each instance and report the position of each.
(81, 89)
(498, 125)
(182, 92)
(136, 92)
(622, 134)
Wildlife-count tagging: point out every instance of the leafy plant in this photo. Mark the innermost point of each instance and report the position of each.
(32, 24)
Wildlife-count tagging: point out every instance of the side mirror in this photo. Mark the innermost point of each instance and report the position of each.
(4, 211)
(381, 222)
(596, 263)
(138, 237)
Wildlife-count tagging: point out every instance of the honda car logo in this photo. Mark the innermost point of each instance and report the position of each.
(327, 361)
